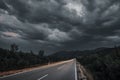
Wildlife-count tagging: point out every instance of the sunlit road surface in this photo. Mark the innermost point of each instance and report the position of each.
(65, 70)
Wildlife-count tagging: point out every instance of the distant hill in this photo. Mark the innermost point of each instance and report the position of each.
(63, 55)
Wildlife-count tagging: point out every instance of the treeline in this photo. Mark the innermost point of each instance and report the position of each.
(14, 59)
(104, 64)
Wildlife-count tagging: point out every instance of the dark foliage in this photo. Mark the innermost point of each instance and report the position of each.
(103, 64)
(10, 59)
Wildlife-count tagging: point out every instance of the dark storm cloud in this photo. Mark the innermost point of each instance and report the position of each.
(2, 5)
(60, 24)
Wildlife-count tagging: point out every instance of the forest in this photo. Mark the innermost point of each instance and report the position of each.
(14, 59)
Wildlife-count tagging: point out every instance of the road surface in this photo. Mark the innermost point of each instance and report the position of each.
(65, 70)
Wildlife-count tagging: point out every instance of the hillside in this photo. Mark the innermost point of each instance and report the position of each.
(60, 55)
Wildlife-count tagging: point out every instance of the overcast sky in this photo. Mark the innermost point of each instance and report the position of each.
(54, 25)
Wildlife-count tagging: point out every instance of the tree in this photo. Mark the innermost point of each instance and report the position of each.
(31, 52)
(41, 53)
(117, 51)
(14, 48)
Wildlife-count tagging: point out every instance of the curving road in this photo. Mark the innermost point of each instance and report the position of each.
(65, 70)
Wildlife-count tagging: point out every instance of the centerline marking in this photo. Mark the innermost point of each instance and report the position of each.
(61, 67)
(43, 77)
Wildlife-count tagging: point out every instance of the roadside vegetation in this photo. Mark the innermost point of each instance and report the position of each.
(103, 64)
(14, 59)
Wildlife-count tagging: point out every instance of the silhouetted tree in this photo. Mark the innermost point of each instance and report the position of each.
(31, 52)
(117, 51)
(41, 53)
(14, 48)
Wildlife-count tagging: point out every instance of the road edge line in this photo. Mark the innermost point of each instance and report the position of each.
(75, 70)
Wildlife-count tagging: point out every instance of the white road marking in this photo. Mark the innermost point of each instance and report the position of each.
(61, 67)
(75, 70)
(43, 77)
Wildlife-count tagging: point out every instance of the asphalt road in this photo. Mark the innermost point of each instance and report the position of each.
(65, 70)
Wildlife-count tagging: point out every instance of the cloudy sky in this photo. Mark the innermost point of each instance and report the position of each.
(54, 25)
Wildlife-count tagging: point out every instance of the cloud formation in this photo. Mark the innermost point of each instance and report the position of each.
(55, 25)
